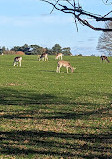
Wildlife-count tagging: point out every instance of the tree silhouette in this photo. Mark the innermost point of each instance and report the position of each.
(71, 7)
(105, 41)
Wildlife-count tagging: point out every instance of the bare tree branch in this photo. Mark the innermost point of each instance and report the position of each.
(76, 10)
(107, 2)
(54, 7)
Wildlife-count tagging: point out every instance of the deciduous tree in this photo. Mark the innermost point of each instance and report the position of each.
(105, 41)
(74, 8)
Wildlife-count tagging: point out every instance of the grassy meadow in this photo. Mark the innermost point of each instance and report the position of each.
(47, 115)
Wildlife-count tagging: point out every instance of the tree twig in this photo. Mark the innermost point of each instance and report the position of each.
(77, 12)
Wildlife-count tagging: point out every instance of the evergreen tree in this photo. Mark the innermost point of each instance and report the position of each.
(56, 49)
(66, 51)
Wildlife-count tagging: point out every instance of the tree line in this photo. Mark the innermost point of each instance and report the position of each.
(104, 45)
(36, 50)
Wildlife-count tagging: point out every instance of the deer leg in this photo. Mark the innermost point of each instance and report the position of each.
(57, 69)
(20, 64)
(67, 69)
(14, 63)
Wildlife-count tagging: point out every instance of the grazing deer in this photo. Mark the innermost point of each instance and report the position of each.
(44, 57)
(59, 56)
(64, 64)
(104, 58)
(17, 60)
(38, 57)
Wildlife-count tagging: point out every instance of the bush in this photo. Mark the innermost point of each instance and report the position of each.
(20, 53)
(7, 52)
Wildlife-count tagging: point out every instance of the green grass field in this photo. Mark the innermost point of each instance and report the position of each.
(47, 115)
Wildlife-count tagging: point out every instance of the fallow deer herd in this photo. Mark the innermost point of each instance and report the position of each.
(61, 63)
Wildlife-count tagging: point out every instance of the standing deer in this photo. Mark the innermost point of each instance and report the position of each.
(38, 57)
(59, 56)
(17, 60)
(64, 64)
(104, 58)
(44, 57)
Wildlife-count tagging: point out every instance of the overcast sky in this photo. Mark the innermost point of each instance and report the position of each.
(30, 22)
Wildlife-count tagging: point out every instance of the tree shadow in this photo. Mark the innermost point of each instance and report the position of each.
(67, 145)
(33, 102)
(51, 143)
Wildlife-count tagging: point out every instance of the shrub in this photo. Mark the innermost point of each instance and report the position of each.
(7, 52)
(20, 53)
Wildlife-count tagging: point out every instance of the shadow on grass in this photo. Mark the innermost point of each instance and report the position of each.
(58, 108)
(41, 143)
(56, 144)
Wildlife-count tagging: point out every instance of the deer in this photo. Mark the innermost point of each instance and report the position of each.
(104, 58)
(44, 57)
(17, 60)
(59, 56)
(38, 57)
(64, 64)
